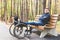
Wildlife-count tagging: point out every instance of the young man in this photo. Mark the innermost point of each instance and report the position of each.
(44, 19)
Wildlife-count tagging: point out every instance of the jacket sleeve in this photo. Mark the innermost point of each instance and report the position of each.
(45, 17)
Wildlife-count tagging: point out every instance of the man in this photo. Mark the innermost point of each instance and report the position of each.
(44, 19)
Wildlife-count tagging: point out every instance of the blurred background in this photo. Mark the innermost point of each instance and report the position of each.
(27, 9)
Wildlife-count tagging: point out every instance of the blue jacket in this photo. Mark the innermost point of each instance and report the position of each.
(45, 18)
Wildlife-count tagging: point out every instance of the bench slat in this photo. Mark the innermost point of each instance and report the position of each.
(53, 21)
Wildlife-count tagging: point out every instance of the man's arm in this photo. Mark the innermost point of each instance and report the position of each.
(45, 17)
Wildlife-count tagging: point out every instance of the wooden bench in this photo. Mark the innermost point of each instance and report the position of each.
(49, 28)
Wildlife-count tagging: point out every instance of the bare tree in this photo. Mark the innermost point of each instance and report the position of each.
(1, 11)
(14, 9)
(5, 10)
(11, 9)
(21, 10)
(44, 4)
(55, 7)
(36, 7)
(17, 7)
(11, 13)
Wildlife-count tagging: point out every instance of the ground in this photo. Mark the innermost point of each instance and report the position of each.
(4, 35)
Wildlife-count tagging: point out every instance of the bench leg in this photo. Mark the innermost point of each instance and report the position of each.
(53, 32)
(49, 31)
(43, 33)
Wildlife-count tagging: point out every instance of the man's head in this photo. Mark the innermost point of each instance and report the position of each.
(46, 10)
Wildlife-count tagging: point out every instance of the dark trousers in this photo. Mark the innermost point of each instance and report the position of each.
(34, 23)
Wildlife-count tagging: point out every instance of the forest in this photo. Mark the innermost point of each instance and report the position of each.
(26, 9)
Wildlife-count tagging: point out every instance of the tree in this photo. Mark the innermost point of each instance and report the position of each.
(44, 4)
(1, 10)
(10, 19)
(5, 11)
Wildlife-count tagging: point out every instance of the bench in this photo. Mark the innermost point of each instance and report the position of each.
(49, 28)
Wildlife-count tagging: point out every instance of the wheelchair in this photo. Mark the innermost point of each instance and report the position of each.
(16, 28)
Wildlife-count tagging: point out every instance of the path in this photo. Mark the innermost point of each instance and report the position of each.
(4, 35)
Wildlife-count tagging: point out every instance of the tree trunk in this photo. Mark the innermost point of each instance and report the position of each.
(44, 5)
(5, 11)
(11, 14)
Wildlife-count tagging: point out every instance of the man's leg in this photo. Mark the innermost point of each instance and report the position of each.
(30, 23)
(37, 24)
(34, 23)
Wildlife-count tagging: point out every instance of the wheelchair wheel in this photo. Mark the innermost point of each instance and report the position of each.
(11, 29)
(17, 31)
(28, 32)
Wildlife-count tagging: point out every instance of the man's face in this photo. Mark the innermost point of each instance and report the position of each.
(46, 10)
